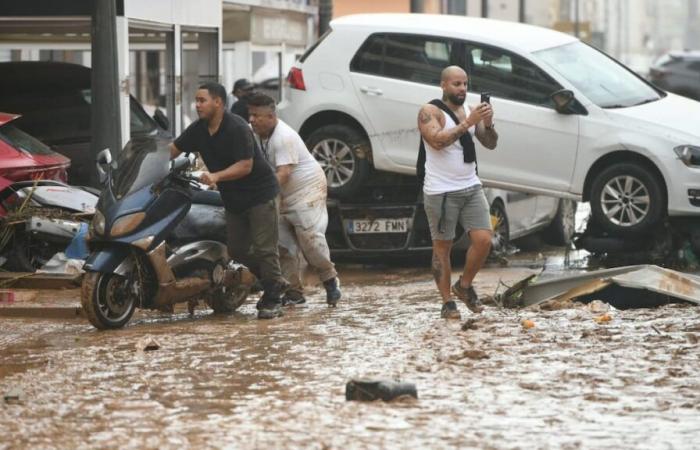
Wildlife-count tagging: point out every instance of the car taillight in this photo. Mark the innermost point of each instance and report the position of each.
(296, 79)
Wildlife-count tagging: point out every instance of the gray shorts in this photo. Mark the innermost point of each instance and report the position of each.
(468, 207)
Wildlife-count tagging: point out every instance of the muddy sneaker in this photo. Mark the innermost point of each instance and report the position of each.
(468, 296)
(292, 297)
(450, 311)
(269, 309)
(333, 293)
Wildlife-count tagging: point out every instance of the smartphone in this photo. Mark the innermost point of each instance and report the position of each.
(486, 97)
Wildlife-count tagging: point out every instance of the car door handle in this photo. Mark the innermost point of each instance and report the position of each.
(371, 91)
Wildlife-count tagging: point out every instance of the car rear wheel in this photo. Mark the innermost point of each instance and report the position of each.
(627, 198)
(562, 228)
(343, 153)
(500, 225)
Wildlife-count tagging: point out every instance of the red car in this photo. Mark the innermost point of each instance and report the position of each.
(23, 157)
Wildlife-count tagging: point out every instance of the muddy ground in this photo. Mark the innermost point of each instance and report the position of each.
(236, 382)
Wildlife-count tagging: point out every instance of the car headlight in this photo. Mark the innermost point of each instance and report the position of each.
(126, 224)
(98, 223)
(689, 154)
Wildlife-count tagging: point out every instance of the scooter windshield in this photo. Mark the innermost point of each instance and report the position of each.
(142, 162)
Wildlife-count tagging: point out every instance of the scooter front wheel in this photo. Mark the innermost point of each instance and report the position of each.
(107, 299)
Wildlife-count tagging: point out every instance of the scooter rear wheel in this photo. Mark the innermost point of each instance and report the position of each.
(107, 300)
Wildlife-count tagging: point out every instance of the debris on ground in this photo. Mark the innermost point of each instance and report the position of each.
(371, 390)
(469, 324)
(13, 397)
(605, 318)
(60, 263)
(147, 344)
(527, 324)
(643, 286)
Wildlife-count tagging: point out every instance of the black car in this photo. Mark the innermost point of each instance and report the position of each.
(54, 100)
(678, 72)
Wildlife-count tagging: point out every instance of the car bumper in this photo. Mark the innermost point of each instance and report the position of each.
(344, 240)
(684, 192)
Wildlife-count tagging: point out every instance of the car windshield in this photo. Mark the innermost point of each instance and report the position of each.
(23, 142)
(143, 161)
(603, 80)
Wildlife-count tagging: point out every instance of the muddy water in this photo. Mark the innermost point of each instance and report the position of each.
(235, 382)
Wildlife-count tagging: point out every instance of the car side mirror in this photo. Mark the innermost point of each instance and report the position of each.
(161, 119)
(563, 99)
(104, 159)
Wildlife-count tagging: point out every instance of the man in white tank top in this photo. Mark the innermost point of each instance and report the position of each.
(452, 190)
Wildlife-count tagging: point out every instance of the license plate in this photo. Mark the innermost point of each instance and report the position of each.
(365, 226)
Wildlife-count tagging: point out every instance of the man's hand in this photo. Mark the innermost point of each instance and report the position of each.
(486, 112)
(210, 179)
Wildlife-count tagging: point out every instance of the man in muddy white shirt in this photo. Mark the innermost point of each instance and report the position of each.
(303, 215)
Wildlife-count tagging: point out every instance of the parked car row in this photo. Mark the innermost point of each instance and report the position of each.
(573, 122)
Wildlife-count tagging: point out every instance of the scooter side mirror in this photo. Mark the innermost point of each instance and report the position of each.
(161, 119)
(104, 159)
(182, 162)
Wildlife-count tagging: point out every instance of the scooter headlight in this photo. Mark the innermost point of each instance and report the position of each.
(126, 224)
(689, 154)
(98, 223)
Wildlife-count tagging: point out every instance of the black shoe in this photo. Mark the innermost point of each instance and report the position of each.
(468, 296)
(293, 297)
(450, 311)
(256, 287)
(333, 293)
(269, 309)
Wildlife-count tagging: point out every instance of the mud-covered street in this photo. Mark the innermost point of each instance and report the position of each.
(236, 382)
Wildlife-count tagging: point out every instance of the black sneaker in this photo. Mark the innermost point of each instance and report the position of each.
(450, 311)
(468, 296)
(269, 309)
(293, 297)
(333, 293)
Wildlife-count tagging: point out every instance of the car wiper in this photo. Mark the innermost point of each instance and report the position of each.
(614, 106)
(643, 102)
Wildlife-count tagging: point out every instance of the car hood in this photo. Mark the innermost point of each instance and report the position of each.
(673, 117)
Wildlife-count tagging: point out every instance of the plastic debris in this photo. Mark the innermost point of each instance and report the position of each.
(371, 390)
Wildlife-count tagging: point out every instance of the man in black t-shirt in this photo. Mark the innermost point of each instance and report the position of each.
(248, 188)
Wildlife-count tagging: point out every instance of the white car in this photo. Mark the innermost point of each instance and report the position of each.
(573, 122)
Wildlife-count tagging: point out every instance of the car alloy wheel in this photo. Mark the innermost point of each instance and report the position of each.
(336, 159)
(625, 201)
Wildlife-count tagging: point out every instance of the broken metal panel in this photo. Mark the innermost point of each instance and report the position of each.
(545, 290)
(643, 277)
(663, 281)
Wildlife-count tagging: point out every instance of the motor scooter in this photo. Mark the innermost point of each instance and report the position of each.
(39, 219)
(156, 239)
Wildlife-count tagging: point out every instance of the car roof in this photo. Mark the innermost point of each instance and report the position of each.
(513, 35)
(6, 118)
(22, 76)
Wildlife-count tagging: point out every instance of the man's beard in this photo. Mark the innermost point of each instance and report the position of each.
(456, 100)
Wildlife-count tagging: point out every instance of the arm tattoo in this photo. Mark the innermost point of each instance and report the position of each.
(424, 117)
(436, 268)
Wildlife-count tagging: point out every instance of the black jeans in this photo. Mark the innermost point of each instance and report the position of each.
(252, 240)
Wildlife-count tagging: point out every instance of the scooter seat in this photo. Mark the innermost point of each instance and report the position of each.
(212, 198)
